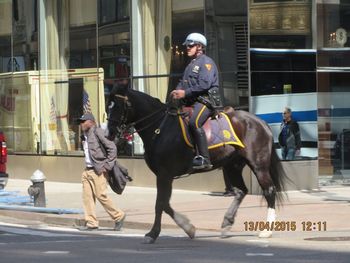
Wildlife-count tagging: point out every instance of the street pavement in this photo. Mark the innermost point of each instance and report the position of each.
(328, 208)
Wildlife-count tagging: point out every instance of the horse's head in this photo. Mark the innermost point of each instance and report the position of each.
(119, 111)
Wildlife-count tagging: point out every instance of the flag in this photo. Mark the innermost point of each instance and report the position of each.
(86, 102)
(52, 111)
(53, 115)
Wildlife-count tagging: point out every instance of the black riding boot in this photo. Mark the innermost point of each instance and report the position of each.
(201, 161)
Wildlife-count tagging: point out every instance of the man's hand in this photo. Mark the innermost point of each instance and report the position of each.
(178, 94)
(297, 152)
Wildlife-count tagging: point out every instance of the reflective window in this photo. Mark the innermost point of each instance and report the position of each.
(5, 36)
(334, 123)
(7, 99)
(333, 53)
(333, 22)
(226, 24)
(279, 71)
(115, 55)
(25, 35)
(69, 78)
(111, 11)
(283, 70)
(152, 42)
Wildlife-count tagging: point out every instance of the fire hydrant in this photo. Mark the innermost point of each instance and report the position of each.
(37, 189)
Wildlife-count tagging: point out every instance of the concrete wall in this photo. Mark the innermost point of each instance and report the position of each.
(303, 174)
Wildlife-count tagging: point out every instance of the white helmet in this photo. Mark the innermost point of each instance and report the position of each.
(195, 38)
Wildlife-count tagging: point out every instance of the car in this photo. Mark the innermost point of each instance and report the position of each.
(125, 144)
(3, 159)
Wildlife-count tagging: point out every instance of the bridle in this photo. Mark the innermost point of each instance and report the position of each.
(122, 124)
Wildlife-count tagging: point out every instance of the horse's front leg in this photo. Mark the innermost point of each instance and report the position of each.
(183, 222)
(164, 188)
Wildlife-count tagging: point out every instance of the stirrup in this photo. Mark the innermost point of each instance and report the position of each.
(201, 163)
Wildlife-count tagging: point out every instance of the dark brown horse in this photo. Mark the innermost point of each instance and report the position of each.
(168, 156)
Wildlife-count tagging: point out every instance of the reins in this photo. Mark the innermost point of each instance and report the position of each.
(172, 111)
(143, 119)
(127, 107)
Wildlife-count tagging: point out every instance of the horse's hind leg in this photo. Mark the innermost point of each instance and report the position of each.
(233, 170)
(269, 192)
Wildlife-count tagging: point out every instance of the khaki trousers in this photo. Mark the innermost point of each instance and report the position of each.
(95, 187)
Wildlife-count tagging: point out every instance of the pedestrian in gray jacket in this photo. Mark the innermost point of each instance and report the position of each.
(100, 156)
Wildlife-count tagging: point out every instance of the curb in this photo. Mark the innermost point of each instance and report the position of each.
(73, 220)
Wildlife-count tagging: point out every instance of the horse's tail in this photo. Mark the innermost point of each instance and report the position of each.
(278, 175)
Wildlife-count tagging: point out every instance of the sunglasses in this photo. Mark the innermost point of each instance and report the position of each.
(190, 46)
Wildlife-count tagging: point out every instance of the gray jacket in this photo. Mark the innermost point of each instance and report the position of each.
(95, 137)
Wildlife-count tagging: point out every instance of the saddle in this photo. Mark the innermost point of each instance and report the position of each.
(218, 129)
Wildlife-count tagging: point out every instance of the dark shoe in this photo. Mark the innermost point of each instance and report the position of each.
(201, 163)
(119, 224)
(87, 228)
(229, 193)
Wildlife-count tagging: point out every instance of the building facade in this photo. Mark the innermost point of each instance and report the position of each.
(61, 58)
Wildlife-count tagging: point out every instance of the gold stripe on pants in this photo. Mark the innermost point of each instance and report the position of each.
(95, 187)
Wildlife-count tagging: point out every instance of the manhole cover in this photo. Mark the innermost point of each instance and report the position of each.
(328, 239)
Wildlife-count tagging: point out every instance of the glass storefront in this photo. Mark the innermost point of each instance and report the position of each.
(283, 68)
(333, 77)
(61, 58)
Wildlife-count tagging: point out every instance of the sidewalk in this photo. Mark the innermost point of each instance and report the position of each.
(204, 209)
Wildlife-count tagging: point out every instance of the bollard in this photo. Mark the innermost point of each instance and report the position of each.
(37, 189)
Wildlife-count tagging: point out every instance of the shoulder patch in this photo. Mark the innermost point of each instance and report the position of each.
(195, 69)
(208, 66)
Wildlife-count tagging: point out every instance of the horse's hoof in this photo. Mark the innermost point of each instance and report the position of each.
(191, 231)
(148, 240)
(265, 234)
(225, 231)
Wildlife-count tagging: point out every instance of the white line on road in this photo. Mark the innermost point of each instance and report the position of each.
(25, 230)
(259, 242)
(56, 252)
(124, 235)
(259, 254)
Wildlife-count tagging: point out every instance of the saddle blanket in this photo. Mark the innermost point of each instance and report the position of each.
(219, 132)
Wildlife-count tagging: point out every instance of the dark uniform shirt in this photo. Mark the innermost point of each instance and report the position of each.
(200, 75)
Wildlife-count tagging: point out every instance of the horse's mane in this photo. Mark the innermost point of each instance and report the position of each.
(148, 99)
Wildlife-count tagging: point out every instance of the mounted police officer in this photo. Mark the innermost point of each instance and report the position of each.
(199, 88)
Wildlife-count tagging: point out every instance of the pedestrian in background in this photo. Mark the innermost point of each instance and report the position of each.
(100, 155)
(289, 137)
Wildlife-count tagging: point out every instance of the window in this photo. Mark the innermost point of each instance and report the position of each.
(333, 52)
(283, 67)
